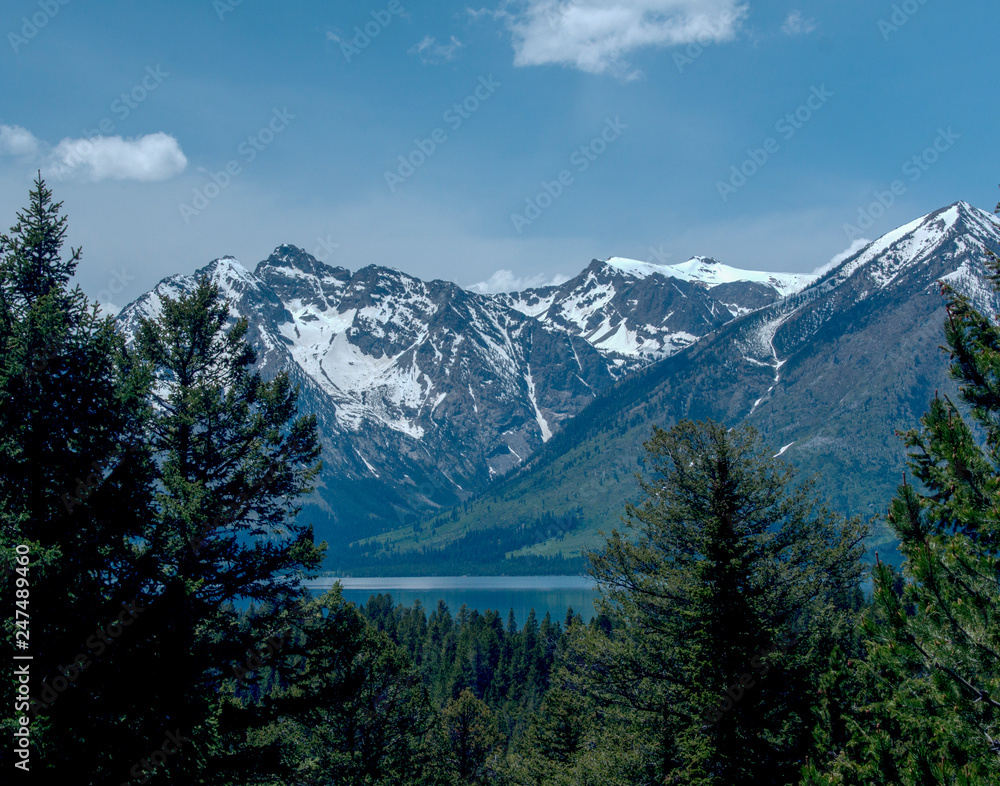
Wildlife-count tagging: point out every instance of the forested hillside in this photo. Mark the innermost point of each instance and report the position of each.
(828, 376)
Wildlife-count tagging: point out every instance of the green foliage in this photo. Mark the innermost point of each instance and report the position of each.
(112, 462)
(345, 706)
(509, 669)
(723, 564)
(931, 711)
(75, 491)
(165, 476)
(472, 739)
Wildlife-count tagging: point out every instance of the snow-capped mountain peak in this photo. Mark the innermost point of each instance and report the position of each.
(641, 311)
(952, 230)
(635, 268)
(712, 272)
(424, 391)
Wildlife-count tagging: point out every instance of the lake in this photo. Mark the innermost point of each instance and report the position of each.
(552, 594)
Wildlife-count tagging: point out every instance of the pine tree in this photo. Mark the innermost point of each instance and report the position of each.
(232, 459)
(163, 507)
(75, 492)
(933, 670)
(349, 708)
(472, 739)
(728, 584)
(554, 738)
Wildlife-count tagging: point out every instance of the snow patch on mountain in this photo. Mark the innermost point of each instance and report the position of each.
(712, 272)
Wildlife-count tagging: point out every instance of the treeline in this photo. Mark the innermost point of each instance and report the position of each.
(431, 563)
(481, 551)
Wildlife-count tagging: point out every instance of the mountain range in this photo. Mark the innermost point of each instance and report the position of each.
(449, 417)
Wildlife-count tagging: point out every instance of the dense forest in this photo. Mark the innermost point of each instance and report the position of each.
(153, 567)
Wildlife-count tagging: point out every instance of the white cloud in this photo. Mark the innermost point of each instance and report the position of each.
(796, 24)
(505, 281)
(430, 51)
(595, 35)
(108, 309)
(846, 254)
(146, 158)
(17, 141)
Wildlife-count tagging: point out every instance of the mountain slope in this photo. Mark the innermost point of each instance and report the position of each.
(828, 375)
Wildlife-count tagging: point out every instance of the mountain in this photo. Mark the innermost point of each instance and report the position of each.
(827, 374)
(637, 311)
(425, 392)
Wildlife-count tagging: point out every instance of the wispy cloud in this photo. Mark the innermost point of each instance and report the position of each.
(595, 36)
(846, 254)
(796, 24)
(505, 281)
(430, 51)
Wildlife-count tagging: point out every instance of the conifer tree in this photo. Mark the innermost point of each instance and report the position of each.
(472, 740)
(232, 459)
(348, 707)
(728, 584)
(167, 501)
(75, 481)
(933, 669)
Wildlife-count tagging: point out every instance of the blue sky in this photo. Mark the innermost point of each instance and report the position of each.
(599, 129)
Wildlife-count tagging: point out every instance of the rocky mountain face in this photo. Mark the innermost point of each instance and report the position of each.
(635, 312)
(425, 392)
(827, 374)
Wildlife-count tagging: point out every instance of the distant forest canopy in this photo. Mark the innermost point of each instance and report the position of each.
(147, 489)
(487, 551)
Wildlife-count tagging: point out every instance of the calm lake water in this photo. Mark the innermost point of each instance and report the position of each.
(552, 594)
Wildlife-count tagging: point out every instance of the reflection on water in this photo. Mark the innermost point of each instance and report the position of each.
(552, 594)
